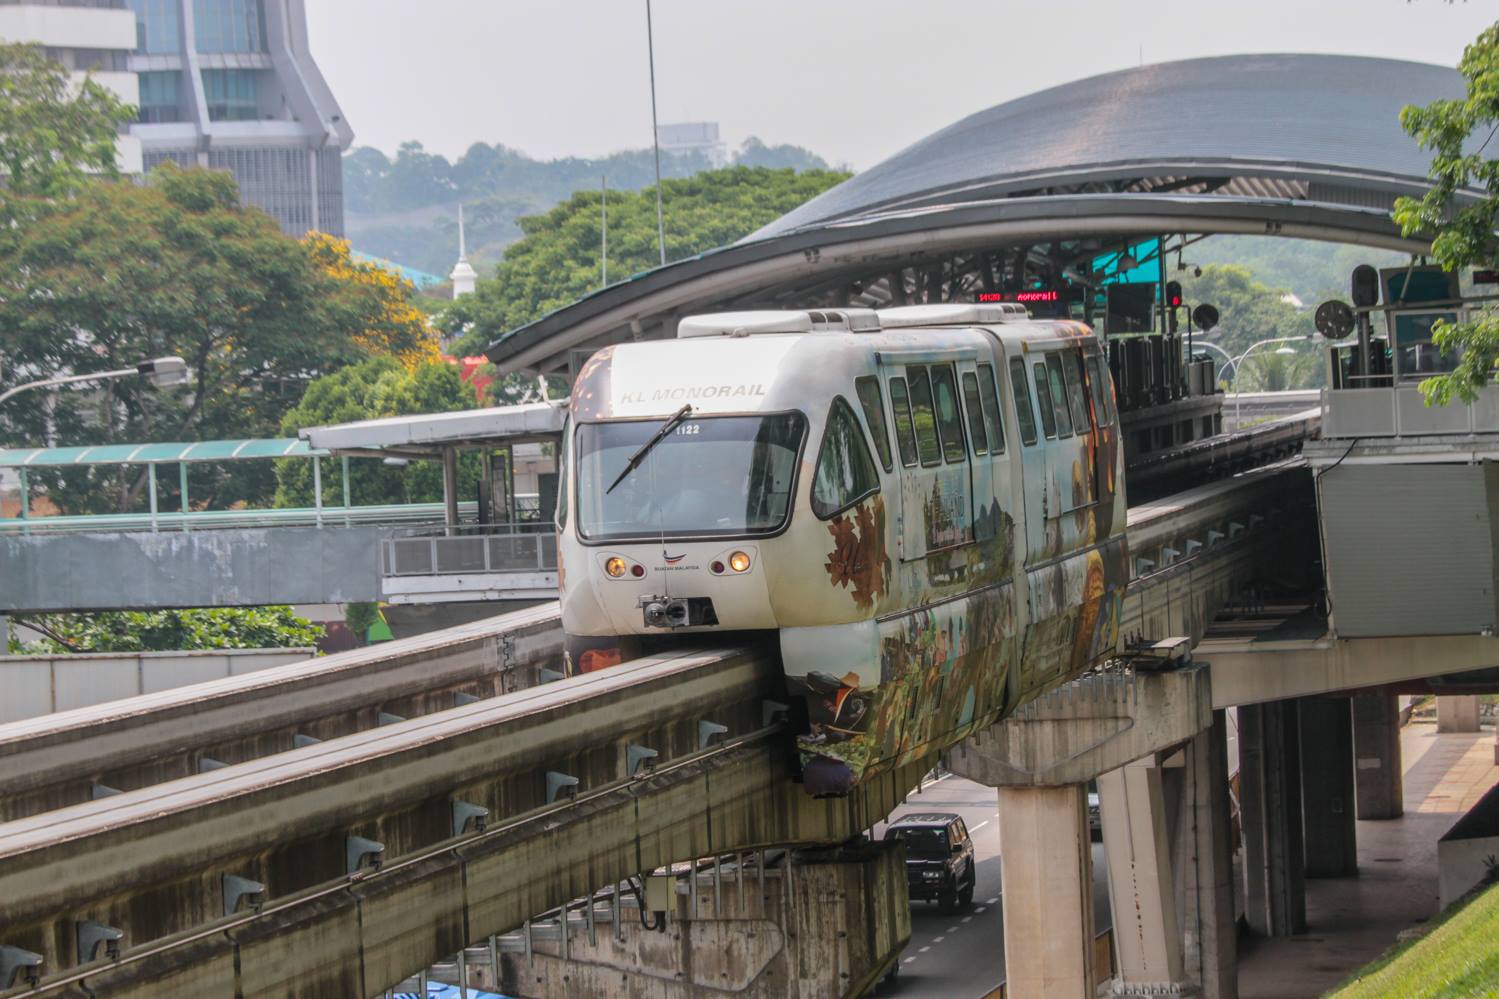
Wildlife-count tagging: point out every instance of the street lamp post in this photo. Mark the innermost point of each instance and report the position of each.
(160, 371)
(1238, 363)
(1213, 346)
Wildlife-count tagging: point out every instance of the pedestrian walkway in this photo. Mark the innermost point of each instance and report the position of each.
(1351, 921)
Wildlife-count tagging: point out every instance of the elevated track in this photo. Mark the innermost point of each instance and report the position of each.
(558, 767)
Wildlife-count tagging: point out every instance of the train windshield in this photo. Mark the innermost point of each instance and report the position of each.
(710, 476)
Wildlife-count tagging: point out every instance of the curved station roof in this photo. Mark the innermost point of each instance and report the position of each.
(1306, 146)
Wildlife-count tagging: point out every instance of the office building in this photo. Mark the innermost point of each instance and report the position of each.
(231, 85)
(86, 36)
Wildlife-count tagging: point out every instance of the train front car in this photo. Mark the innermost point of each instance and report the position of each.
(923, 506)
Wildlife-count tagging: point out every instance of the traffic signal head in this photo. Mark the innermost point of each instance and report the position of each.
(1173, 294)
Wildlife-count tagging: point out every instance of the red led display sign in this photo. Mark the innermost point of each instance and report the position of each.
(1050, 295)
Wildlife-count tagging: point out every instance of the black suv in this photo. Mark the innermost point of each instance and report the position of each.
(939, 857)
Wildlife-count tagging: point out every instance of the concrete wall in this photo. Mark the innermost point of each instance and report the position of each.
(1465, 853)
(221, 568)
(40, 685)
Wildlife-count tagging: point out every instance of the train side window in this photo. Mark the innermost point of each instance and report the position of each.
(1101, 394)
(993, 422)
(868, 389)
(845, 471)
(1058, 394)
(1021, 386)
(976, 431)
(924, 416)
(949, 420)
(1072, 370)
(905, 433)
(1043, 400)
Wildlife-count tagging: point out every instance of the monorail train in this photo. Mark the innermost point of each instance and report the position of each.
(923, 505)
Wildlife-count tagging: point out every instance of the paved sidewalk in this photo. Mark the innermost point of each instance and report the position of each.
(1351, 921)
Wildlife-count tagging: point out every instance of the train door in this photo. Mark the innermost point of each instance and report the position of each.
(1032, 454)
(936, 486)
(1106, 437)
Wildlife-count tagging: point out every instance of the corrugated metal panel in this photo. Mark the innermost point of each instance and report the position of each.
(1409, 549)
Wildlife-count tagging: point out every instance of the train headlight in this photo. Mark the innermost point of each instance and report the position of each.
(615, 567)
(739, 562)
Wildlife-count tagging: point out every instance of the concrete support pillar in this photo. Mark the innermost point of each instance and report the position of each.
(1047, 879)
(1136, 834)
(1270, 807)
(1380, 792)
(1205, 866)
(1458, 713)
(450, 488)
(1327, 787)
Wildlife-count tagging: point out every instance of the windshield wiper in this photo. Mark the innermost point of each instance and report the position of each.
(645, 449)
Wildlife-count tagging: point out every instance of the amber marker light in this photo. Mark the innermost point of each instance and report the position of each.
(615, 567)
(739, 562)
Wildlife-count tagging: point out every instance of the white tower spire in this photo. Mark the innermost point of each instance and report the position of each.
(464, 276)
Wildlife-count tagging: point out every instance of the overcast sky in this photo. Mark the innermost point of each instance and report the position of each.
(852, 80)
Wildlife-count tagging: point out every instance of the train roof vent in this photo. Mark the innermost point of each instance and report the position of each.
(952, 314)
(755, 323)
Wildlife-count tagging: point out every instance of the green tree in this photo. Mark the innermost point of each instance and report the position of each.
(53, 134)
(166, 631)
(1268, 371)
(1250, 311)
(1462, 229)
(121, 272)
(375, 388)
(558, 260)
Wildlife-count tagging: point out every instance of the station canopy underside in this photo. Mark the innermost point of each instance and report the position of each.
(1043, 187)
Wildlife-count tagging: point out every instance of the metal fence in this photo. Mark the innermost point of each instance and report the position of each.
(484, 548)
(203, 520)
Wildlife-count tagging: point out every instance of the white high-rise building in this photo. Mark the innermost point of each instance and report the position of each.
(693, 137)
(86, 36)
(230, 84)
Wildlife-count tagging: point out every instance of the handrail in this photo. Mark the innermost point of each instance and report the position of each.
(328, 516)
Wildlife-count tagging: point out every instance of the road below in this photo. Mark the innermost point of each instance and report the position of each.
(962, 955)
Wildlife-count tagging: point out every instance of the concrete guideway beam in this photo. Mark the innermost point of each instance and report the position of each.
(1192, 553)
(52, 761)
(363, 934)
(1087, 727)
(150, 861)
(1249, 672)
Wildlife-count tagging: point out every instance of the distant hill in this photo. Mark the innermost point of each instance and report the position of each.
(1312, 270)
(406, 209)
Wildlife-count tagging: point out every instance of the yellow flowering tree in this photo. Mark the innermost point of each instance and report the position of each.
(374, 304)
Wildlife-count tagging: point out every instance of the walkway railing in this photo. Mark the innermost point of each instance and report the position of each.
(201, 520)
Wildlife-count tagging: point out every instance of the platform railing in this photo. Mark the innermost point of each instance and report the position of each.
(525, 546)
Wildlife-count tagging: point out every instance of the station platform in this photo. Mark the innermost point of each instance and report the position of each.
(1351, 921)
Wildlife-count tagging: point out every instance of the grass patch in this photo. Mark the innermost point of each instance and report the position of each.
(1457, 959)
